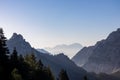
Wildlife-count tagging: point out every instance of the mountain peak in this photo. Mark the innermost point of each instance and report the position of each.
(115, 35)
(118, 29)
(17, 36)
(20, 43)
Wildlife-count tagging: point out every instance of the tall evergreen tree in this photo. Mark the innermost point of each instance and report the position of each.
(85, 78)
(14, 55)
(16, 75)
(4, 61)
(23, 68)
(40, 65)
(3, 49)
(63, 75)
(31, 60)
(20, 58)
(14, 59)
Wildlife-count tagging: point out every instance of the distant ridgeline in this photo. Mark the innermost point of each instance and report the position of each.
(17, 67)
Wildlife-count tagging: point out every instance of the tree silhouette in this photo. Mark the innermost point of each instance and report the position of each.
(3, 49)
(14, 59)
(23, 68)
(14, 55)
(31, 60)
(85, 78)
(16, 75)
(63, 75)
(4, 61)
(40, 65)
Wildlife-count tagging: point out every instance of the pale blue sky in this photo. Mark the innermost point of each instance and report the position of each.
(46, 23)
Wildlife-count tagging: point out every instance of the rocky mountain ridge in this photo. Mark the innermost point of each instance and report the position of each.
(104, 56)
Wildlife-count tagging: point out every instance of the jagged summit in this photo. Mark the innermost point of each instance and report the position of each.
(14, 35)
(17, 36)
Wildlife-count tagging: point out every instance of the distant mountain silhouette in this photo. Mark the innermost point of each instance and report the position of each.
(68, 50)
(103, 57)
(43, 51)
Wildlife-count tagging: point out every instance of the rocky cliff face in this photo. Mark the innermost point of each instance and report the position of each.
(104, 56)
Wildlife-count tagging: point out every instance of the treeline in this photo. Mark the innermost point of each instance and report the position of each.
(17, 67)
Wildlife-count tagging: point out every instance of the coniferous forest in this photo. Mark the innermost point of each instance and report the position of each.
(19, 67)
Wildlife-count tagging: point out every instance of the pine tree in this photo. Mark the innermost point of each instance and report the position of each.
(3, 49)
(20, 59)
(48, 73)
(40, 65)
(23, 68)
(16, 75)
(14, 55)
(85, 78)
(63, 75)
(31, 60)
(14, 59)
(4, 61)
